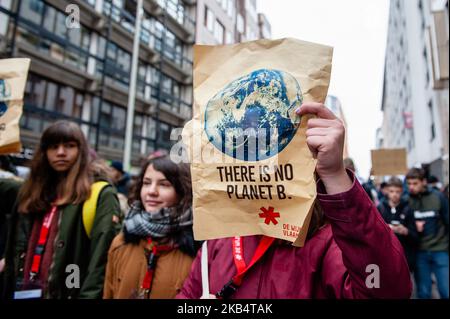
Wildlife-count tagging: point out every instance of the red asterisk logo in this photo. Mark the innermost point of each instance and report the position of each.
(269, 215)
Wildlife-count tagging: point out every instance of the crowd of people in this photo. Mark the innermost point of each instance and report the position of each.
(416, 209)
(133, 237)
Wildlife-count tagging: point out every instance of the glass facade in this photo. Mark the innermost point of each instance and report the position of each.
(100, 63)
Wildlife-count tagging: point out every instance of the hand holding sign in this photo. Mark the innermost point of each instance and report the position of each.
(252, 171)
(325, 138)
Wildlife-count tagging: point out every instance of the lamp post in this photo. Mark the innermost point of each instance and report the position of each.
(132, 92)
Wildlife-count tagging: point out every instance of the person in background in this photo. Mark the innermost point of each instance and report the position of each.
(158, 153)
(7, 168)
(370, 188)
(10, 184)
(9, 188)
(382, 191)
(121, 178)
(48, 232)
(152, 256)
(350, 164)
(431, 213)
(434, 183)
(400, 218)
(100, 170)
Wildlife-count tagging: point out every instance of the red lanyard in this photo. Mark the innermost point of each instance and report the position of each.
(151, 264)
(43, 238)
(242, 268)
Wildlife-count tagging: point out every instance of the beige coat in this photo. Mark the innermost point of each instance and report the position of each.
(126, 269)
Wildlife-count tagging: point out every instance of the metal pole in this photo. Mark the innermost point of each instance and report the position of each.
(132, 92)
(161, 74)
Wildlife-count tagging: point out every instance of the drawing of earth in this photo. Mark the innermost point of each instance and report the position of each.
(4, 93)
(253, 118)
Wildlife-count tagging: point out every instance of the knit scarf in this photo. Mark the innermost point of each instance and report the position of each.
(163, 223)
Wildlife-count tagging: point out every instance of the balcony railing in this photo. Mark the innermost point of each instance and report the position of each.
(178, 12)
(148, 37)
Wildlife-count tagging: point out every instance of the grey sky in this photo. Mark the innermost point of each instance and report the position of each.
(357, 30)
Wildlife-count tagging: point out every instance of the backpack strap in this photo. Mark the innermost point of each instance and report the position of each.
(90, 206)
(204, 271)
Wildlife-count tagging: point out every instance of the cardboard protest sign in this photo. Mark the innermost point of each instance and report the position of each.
(252, 171)
(13, 77)
(389, 161)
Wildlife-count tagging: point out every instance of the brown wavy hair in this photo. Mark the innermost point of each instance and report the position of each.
(43, 184)
(179, 175)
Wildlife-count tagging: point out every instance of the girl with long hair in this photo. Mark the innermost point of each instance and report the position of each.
(57, 246)
(152, 255)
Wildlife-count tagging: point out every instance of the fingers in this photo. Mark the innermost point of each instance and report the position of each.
(317, 131)
(314, 142)
(316, 108)
(323, 123)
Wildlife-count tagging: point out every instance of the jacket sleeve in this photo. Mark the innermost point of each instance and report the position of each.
(365, 259)
(444, 209)
(192, 287)
(9, 190)
(103, 232)
(413, 235)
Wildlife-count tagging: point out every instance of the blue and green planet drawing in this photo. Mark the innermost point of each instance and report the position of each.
(4, 93)
(253, 118)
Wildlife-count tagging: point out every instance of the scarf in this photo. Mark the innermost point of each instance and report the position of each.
(163, 223)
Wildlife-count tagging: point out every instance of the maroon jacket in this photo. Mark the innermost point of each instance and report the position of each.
(332, 264)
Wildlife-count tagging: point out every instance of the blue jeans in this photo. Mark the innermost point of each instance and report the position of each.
(428, 262)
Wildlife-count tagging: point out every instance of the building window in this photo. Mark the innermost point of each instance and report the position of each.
(35, 91)
(46, 100)
(112, 125)
(209, 19)
(432, 126)
(114, 9)
(151, 128)
(229, 37)
(69, 46)
(49, 19)
(165, 130)
(141, 79)
(137, 133)
(119, 117)
(117, 65)
(32, 10)
(173, 48)
(50, 100)
(174, 8)
(60, 25)
(90, 2)
(219, 31)
(230, 8)
(240, 23)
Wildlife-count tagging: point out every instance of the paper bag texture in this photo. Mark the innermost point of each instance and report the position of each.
(252, 171)
(389, 161)
(13, 77)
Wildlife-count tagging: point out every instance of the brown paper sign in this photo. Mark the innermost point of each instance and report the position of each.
(13, 77)
(389, 161)
(252, 171)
